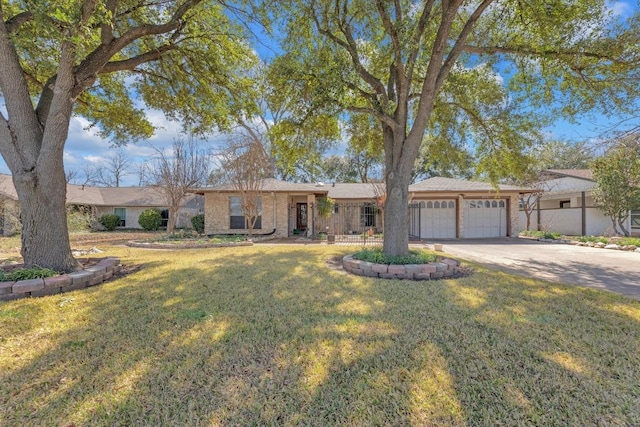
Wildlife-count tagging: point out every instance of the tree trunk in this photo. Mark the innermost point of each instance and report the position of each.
(527, 214)
(45, 236)
(396, 215)
(173, 219)
(622, 227)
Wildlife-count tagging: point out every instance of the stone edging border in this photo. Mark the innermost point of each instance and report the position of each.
(445, 267)
(91, 276)
(597, 245)
(149, 245)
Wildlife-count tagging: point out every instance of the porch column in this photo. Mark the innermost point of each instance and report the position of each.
(460, 217)
(311, 209)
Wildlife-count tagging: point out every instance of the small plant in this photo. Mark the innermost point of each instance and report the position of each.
(326, 206)
(376, 255)
(109, 221)
(150, 219)
(27, 274)
(551, 235)
(629, 241)
(541, 234)
(198, 223)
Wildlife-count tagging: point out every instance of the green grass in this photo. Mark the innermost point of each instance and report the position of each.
(376, 255)
(270, 335)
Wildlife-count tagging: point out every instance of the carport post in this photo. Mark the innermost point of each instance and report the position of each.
(584, 214)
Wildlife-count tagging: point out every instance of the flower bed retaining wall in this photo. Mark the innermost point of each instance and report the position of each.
(91, 276)
(444, 267)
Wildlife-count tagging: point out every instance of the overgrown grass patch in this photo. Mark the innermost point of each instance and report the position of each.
(376, 255)
(268, 335)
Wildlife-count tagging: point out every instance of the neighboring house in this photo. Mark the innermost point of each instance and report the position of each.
(567, 206)
(126, 202)
(440, 208)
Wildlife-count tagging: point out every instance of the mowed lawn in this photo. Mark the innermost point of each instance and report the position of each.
(270, 335)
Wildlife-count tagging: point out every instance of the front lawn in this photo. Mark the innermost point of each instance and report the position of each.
(269, 335)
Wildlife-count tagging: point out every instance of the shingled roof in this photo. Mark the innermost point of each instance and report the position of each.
(98, 196)
(442, 184)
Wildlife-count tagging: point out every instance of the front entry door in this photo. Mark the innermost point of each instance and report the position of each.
(301, 217)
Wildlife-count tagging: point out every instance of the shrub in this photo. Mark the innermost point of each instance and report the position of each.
(79, 219)
(198, 223)
(376, 255)
(109, 221)
(150, 219)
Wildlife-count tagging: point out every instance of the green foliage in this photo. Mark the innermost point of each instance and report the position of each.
(325, 206)
(594, 239)
(629, 241)
(541, 234)
(198, 223)
(617, 176)
(150, 219)
(27, 274)
(109, 221)
(79, 218)
(376, 255)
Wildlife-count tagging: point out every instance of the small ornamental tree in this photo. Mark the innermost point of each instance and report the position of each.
(617, 176)
(150, 219)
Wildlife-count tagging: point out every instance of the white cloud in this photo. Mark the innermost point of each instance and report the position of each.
(620, 8)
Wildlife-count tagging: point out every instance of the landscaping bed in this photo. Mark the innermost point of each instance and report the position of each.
(95, 271)
(630, 244)
(417, 265)
(190, 241)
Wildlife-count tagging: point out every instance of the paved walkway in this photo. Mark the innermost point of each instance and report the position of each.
(611, 270)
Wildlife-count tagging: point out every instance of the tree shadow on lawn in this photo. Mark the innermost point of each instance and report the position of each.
(255, 337)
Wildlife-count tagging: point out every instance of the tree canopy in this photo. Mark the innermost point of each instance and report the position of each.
(617, 176)
(480, 74)
(106, 60)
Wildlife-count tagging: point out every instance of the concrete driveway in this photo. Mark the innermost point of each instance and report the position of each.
(606, 269)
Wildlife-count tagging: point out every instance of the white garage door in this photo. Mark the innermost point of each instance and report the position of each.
(438, 219)
(485, 218)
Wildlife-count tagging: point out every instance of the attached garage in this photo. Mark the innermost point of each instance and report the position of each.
(437, 219)
(485, 218)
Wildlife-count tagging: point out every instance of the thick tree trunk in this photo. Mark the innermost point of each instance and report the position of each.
(45, 237)
(396, 215)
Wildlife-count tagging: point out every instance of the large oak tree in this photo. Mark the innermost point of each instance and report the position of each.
(427, 68)
(100, 59)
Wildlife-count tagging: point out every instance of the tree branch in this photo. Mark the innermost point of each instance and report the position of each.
(15, 22)
(491, 50)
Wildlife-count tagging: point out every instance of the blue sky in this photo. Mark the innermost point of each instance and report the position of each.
(85, 147)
